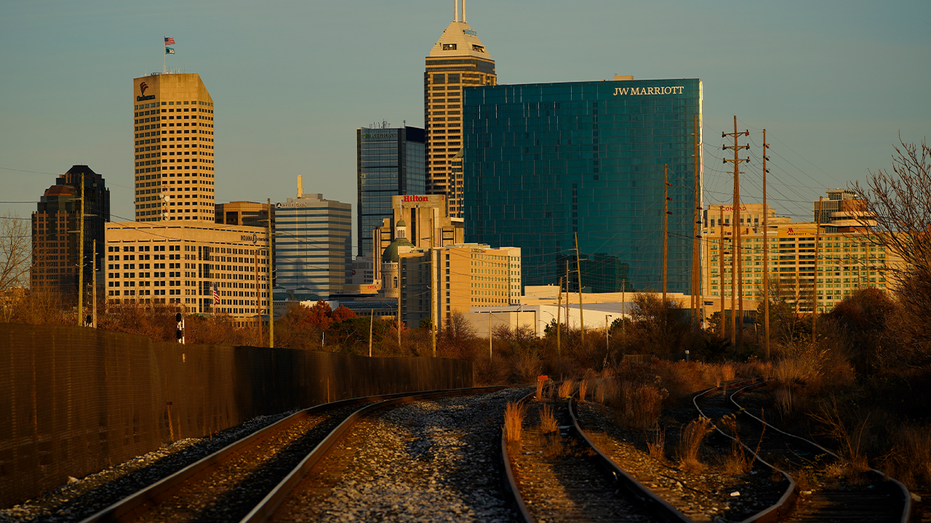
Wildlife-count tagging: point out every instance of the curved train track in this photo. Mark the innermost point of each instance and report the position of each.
(831, 491)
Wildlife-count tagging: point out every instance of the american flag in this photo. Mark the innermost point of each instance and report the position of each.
(169, 40)
(216, 295)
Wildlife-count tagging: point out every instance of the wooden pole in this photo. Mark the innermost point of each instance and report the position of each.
(578, 268)
(665, 231)
(94, 288)
(735, 246)
(81, 255)
(371, 324)
(721, 266)
(271, 297)
(558, 314)
(697, 316)
(434, 272)
(765, 256)
(814, 282)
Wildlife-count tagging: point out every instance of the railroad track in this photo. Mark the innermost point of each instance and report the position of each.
(251, 478)
(562, 476)
(826, 494)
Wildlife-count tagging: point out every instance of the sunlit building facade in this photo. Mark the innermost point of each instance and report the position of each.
(457, 60)
(173, 144)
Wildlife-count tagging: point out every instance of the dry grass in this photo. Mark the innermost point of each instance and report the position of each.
(656, 443)
(690, 444)
(785, 403)
(554, 447)
(565, 389)
(850, 440)
(548, 423)
(583, 389)
(739, 461)
(728, 372)
(514, 415)
(606, 391)
(642, 404)
(910, 459)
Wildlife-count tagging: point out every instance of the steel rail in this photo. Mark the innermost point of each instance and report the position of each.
(136, 504)
(786, 502)
(657, 504)
(273, 500)
(511, 481)
(878, 475)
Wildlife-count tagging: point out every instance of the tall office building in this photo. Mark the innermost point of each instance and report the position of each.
(313, 245)
(546, 162)
(174, 148)
(459, 59)
(55, 245)
(389, 162)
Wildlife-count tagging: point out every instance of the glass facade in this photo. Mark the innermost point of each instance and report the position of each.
(544, 162)
(389, 162)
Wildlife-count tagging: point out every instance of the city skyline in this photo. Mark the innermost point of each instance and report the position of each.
(834, 83)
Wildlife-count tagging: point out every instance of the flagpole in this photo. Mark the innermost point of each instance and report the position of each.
(165, 58)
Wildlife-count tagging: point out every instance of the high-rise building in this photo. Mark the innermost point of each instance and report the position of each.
(174, 148)
(545, 164)
(458, 60)
(389, 161)
(55, 245)
(313, 245)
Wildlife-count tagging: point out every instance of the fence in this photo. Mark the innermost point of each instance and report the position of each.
(74, 401)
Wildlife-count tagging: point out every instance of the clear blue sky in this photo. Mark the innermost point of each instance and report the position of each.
(833, 82)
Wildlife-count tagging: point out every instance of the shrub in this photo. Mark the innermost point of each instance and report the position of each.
(514, 414)
(690, 443)
(565, 389)
(548, 423)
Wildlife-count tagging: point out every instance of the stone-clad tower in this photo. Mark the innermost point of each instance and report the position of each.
(459, 59)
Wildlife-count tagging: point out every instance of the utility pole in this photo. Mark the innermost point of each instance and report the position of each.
(271, 297)
(578, 268)
(737, 248)
(765, 255)
(558, 314)
(721, 266)
(490, 357)
(94, 288)
(666, 214)
(697, 316)
(81, 255)
(814, 281)
(371, 323)
(434, 275)
(623, 303)
(567, 296)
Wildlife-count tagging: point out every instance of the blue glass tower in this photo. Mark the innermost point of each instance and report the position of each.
(544, 162)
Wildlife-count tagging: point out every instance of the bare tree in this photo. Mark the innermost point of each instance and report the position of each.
(898, 206)
(15, 250)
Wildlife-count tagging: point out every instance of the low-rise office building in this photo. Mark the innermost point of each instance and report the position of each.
(199, 266)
